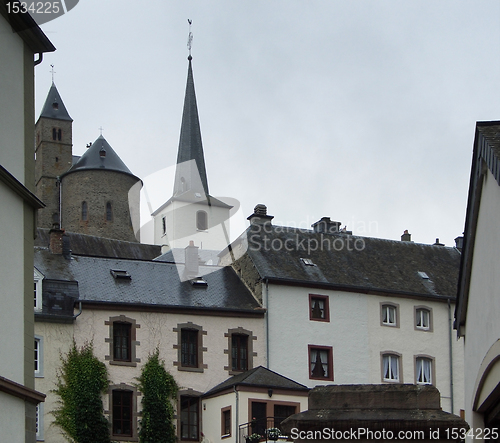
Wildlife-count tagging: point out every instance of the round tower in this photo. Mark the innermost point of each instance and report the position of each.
(95, 195)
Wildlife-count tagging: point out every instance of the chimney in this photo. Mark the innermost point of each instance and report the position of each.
(56, 239)
(191, 269)
(437, 243)
(406, 236)
(459, 243)
(260, 215)
(326, 226)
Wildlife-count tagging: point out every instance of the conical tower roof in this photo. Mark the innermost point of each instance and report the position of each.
(100, 156)
(54, 106)
(190, 145)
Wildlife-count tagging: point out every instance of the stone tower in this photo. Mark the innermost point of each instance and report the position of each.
(95, 195)
(191, 214)
(53, 153)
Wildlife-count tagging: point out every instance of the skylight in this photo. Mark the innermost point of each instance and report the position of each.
(198, 281)
(119, 274)
(423, 275)
(307, 261)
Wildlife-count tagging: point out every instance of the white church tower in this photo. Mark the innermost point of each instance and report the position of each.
(191, 214)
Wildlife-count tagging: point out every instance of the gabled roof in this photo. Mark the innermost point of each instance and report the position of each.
(485, 157)
(258, 377)
(152, 284)
(54, 106)
(347, 262)
(190, 145)
(100, 156)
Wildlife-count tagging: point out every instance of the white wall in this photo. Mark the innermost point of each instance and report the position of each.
(484, 302)
(12, 419)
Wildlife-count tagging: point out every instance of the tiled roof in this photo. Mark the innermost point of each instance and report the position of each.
(347, 261)
(259, 376)
(151, 283)
(54, 106)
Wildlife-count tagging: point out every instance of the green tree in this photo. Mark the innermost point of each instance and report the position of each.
(158, 389)
(81, 381)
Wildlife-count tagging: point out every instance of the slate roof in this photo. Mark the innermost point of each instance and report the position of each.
(82, 244)
(54, 106)
(378, 265)
(151, 284)
(92, 159)
(258, 377)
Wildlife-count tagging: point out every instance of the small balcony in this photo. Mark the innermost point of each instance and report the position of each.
(262, 430)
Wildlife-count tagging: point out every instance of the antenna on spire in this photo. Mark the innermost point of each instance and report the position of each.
(190, 38)
(53, 72)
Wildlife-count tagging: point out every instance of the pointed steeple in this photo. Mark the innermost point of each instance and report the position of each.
(190, 176)
(54, 106)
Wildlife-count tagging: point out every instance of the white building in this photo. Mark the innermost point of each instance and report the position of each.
(20, 40)
(344, 309)
(478, 307)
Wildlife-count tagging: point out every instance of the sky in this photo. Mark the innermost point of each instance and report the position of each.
(361, 111)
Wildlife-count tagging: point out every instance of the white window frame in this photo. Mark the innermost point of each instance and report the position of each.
(37, 278)
(38, 348)
(386, 307)
(420, 371)
(420, 312)
(39, 421)
(390, 357)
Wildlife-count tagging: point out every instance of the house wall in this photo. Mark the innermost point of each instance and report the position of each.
(484, 303)
(156, 329)
(357, 338)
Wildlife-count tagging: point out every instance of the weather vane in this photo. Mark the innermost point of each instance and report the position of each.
(53, 72)
(190, 37)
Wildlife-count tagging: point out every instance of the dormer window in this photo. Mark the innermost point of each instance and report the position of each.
(201, 221)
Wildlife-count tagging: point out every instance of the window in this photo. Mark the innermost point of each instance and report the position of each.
(320, 362)
(318, 308)
(423, 318)
(39, 421)
(38, 357)
(54, 134)
(109, 212)
(423, 370)
(389, 314)
(122, 341)
(123, 412)
(281, 412)
(164, 224)
(201, 221)
(240, 350)
(391, 368)
(37, 294)
(84, 211)
(226, 422)
(190, 347)
(189, 418)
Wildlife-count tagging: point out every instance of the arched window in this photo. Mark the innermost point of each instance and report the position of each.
(201, 221)
(54, 134)
(59, 134)
(84, 211)
(109, 212)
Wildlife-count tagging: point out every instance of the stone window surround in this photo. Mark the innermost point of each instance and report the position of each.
(223, 424)
(109, 412)
(190, 326)
(187, 393)
(133, 342)
(39, 372)
(433, 369)
(400, 366)
(394, 305)
(415, 309)
(326, 301)
(240, 331)
(329, 349)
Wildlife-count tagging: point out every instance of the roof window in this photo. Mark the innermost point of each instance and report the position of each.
(119, 274)
(307, 261)
(198, 281)
(423, 275)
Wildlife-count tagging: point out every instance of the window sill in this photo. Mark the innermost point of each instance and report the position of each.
(123, 363)
(189, 369)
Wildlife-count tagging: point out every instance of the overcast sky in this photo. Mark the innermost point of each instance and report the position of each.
(363, 111)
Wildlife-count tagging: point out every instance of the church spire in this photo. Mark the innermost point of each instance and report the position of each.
(191, 176)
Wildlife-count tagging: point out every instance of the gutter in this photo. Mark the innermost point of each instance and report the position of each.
(267, 324)
(237, 430)
(79, 311)
(450, 325)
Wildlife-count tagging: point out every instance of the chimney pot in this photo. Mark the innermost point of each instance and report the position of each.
(260, 215)
(327, 226)
(406, 236)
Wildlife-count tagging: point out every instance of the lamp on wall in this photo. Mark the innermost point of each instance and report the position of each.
(270, 392)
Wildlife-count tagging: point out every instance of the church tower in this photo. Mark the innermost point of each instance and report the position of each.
(53, 153)
(191, 214)
(100, 196)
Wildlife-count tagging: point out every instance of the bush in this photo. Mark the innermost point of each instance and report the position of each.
(158, 389)
(81, 382)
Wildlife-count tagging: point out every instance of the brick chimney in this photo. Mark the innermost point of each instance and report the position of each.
(406, 236)
(326, 226)
(56, 239)
(260, 215)
(192, 268)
